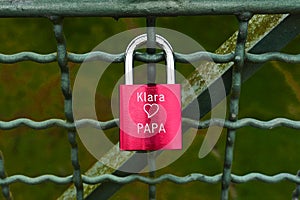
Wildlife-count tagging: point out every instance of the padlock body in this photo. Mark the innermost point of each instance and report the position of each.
(150, 117)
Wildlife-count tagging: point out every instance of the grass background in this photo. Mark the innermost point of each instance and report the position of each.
(32, 90)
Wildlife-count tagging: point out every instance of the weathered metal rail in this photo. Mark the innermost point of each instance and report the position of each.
(123, 8)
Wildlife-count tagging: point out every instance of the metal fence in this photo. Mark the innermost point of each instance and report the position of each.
(245, 61)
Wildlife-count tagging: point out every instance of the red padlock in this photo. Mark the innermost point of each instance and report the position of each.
(150, 114)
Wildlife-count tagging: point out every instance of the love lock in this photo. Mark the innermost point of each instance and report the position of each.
(150, 114)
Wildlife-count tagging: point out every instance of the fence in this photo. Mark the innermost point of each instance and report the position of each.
(246, 56)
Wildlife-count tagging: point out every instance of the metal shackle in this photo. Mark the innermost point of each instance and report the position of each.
(139, 41)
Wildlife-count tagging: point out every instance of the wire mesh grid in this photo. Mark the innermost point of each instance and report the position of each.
(62, 57)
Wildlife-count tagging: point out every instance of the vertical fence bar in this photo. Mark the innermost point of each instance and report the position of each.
(67, 93)
(296, 193)
(234, 100)
(151, 76)
(151, 37)
(152, 167)
(5, 188)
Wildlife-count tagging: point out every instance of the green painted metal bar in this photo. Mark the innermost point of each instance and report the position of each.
(250, 122)
(67, 93)
(151, 68)
(97, 179)
(5, 187)
(234, 100)
(151, 77)
(147, 58)
(126, 8)
(194, 177)
(296, 192)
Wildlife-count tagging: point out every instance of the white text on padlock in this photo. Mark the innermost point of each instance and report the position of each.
(144, 97)
(150, 128)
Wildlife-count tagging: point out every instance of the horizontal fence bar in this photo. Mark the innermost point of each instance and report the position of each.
(166, 177)
(148, 58)
(127, 8)
(37, 180)
(272, 56)
(28, 56)
(56, 123)
(193, 177)
(277, 122)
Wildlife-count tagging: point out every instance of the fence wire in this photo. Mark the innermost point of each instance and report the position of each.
(62, 57)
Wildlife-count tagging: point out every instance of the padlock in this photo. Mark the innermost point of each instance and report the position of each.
(150, 114)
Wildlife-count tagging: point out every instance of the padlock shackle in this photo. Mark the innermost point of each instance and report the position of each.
(139, 41)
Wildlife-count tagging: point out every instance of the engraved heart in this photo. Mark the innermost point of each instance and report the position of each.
(151, 109)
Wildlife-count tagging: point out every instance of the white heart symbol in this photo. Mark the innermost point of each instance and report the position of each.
(153, 109)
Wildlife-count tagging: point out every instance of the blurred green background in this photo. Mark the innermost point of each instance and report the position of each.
(33, 91)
